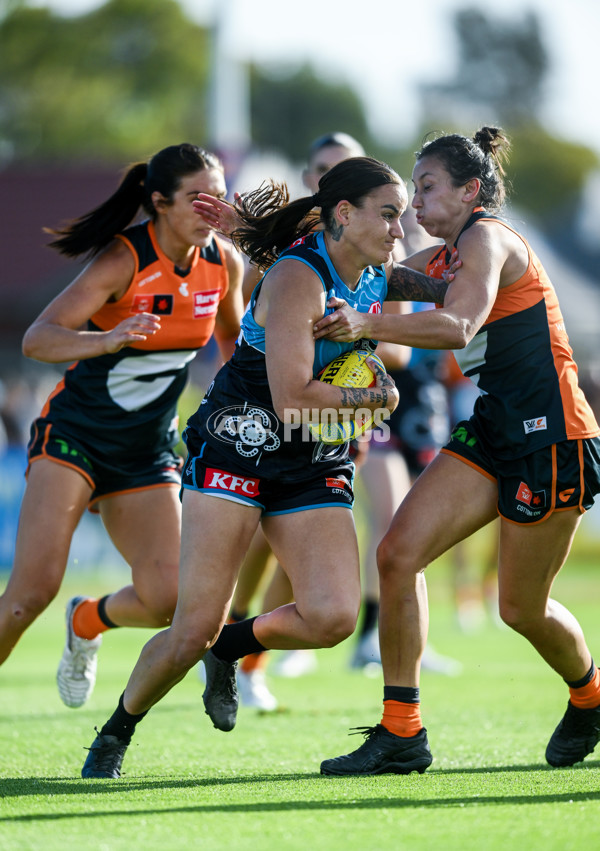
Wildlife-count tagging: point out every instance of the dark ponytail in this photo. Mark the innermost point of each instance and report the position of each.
(92, 232)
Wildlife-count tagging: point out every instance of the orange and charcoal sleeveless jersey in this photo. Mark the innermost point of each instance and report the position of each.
(521, 361)
(126, 402)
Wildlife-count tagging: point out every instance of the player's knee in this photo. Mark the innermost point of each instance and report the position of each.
(515, 616)
(328, 628)
(160, 604)
(161, 610)
(188, 649)
(25, 608)
(394, 560)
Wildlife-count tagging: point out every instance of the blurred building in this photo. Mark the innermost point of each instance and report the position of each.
(35, 197)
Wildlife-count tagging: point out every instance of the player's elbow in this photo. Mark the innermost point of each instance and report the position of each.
(29, 345)
(286, 406)
(26, 347)
(460, 334)
(458, 341)
(287, 412)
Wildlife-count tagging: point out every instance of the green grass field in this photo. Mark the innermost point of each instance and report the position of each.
(187, 785)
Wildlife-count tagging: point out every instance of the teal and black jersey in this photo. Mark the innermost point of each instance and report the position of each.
(238, 408)
(368, 297)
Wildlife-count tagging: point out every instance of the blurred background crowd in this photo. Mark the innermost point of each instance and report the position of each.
(87, 88)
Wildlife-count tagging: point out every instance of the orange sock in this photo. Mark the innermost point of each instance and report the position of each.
(86, 620)
(402, 719)
(587, 696)
(254, 662)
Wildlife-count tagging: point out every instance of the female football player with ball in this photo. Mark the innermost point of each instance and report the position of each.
(250, 461)
(529, 453)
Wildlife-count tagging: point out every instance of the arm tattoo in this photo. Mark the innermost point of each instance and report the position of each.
(407, 285)
(355, 397)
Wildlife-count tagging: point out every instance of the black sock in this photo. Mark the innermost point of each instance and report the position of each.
(236, 640)
(403, 694)
(121, 724)
(102, 613)
(370, 613)
(584, 680)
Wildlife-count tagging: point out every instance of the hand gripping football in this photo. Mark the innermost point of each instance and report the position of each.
(349, 369)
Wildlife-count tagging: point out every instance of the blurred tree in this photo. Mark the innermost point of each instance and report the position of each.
(119, 82)
(548, 174)
(502, 64)
(293, 108)
(499, 80)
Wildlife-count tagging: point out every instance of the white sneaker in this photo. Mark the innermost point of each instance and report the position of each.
(438, 664)
(76, 674)
(254, 691)
(296, 663)
(367, 652)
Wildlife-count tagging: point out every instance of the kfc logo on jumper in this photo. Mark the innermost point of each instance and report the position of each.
(539, 424)
(206, 304)
(375, 307)
(228, 482)
(535, 499)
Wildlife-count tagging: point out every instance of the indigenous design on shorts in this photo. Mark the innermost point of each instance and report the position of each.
(250, 429)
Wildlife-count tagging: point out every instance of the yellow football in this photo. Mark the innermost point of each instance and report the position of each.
(349, 369)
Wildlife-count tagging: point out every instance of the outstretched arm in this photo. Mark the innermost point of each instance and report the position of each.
(407, 280)
(467, 303)
(406, 284)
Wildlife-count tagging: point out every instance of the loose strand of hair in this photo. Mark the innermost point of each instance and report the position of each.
(271, 222)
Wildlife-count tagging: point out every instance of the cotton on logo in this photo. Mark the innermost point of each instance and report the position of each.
(375, 307)
(539, 424)
(150, 278)
(228, 482)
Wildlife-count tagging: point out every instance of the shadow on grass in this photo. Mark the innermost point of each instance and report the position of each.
(383, 803)
(51, 786)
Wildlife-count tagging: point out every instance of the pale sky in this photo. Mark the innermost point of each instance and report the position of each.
(385, 48)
